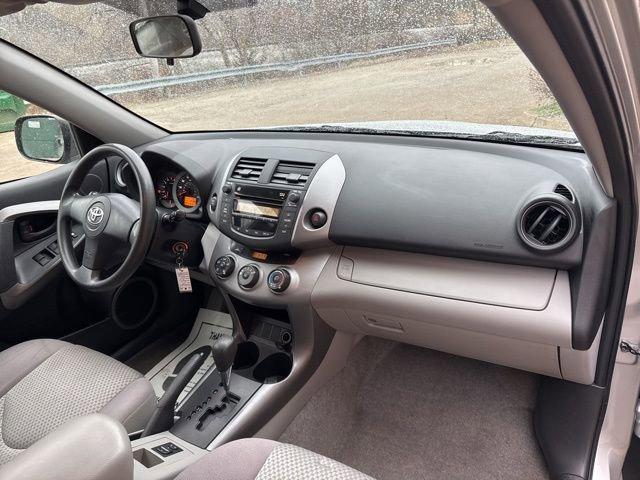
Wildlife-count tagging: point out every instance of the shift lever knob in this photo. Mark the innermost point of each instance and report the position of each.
(224, 352)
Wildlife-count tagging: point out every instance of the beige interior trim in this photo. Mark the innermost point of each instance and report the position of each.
(580, 365)
(491, 283)
(334, 361)
(550, 326)
(157, 467)
(394, 299)
(619, 36)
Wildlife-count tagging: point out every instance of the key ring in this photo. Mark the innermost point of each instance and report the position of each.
(179, 259)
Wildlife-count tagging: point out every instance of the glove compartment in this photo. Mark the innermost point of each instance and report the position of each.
(512, 315)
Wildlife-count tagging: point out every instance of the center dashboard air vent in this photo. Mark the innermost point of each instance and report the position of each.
(548, 223)
(249, 169)
(292, 173)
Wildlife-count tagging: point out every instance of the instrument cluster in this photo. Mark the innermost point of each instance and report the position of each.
(177, 191)
(175, 188)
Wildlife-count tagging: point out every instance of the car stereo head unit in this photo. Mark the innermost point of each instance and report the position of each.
(259, 216)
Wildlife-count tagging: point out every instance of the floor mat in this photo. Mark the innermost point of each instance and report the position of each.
(403, 412)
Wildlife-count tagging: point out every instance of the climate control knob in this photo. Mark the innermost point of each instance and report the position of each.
(248, 276)
(224, 266)
(279, 280)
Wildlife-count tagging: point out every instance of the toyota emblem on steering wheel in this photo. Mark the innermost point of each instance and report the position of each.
(95, 215)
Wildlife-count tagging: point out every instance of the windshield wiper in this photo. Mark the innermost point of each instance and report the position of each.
(494, 136)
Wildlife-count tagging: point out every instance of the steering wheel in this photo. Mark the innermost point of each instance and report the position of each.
(116, 228)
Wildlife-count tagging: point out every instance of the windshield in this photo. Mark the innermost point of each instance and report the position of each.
(421, 66)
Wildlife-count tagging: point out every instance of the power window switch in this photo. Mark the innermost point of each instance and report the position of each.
(42, 258)
(53, 246)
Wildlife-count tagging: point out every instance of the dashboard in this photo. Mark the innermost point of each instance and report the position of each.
(492, 251)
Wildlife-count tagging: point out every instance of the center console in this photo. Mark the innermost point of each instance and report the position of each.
(267, 243)
(268, 207)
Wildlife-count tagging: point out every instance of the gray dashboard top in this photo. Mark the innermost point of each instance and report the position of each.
(450, 197)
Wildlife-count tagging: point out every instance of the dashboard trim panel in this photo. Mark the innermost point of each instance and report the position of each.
(323, 193)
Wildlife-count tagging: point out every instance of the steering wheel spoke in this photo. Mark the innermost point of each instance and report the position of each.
(125, 212)
(95, 255)
(86, 275)
(111, 252)
(75, 208)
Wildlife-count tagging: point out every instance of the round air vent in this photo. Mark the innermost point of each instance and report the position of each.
(548, 223)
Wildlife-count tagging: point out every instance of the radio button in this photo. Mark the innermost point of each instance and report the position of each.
(248, 276)
(294, 197)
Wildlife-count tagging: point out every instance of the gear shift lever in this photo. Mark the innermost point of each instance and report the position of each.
(224, 352)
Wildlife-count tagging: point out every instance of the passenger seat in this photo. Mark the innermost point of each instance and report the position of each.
(258, 459)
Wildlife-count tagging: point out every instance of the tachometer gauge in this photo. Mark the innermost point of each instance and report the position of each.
(164, 191)
(186, 193)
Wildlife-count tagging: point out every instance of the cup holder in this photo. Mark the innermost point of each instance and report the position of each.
(247, 356)
(273, 369)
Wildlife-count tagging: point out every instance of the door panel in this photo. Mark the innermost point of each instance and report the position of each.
(47, 186)
(37, 299)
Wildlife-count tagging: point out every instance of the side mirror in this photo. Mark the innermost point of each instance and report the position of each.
(168, 36)
(45, 138)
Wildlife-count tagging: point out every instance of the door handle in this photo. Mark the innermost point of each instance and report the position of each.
(28, 234)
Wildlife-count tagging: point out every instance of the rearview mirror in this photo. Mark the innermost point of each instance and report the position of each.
(168, 36)
(45, 138)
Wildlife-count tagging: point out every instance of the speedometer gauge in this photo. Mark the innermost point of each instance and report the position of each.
(164, 191)
(186, 193)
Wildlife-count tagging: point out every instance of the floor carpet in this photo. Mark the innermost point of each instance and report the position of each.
(402, 412)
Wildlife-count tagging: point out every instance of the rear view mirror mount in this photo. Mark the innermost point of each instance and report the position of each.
(166, 36)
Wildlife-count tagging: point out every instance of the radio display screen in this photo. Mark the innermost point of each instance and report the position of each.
(252, 208)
